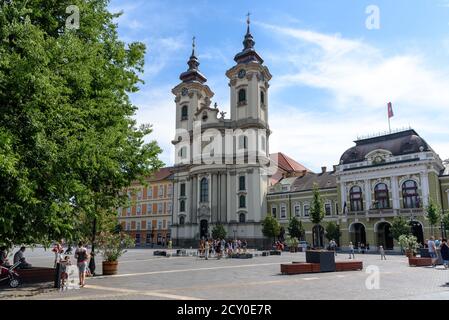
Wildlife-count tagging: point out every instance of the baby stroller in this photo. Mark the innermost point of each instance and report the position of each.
(9, 274)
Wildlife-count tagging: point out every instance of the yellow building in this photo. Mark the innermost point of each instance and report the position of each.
(148, 219)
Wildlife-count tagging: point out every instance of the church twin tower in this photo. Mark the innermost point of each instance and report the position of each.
(221, 165)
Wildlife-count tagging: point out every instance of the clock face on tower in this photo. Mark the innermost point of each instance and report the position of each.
(242, 73)
(184, 91)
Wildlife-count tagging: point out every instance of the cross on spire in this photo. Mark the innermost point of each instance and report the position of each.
(193, 45)
(248, 21)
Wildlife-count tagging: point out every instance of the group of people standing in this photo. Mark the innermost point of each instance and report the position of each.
(81, 256)
(439, 246)
(220, 248)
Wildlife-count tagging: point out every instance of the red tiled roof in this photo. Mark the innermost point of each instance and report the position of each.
(161, 174)
(286, 163)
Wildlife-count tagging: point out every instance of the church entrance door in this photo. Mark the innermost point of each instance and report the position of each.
(204, 229)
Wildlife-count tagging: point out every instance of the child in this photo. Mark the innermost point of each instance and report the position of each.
(382, 253)
(64, 275)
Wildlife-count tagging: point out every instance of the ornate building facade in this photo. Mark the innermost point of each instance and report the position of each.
(378, 179)
(220, 172)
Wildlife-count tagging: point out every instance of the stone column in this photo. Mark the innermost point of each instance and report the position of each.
(367, 195)
(194, 199)
(395, 192)
(343, 198)
(425, 188)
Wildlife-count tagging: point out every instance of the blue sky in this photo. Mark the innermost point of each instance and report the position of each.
(332, 77)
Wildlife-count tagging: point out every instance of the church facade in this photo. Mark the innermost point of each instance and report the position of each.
(222, 165)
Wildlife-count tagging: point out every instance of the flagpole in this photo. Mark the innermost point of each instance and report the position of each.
(389, 125)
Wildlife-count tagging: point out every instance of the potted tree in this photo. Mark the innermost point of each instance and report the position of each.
(112, 246)
(292, 243)
(410, 244)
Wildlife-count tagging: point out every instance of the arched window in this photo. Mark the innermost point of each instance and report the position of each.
(410, 194)
(184, 113)
(204, 190)
(356, 199)
(243, 142)
(242, 201)
(242, 186)
(183, 153)
(381, 196)
(262, 98)
(182, 220)
(242, 218)
(182, 206)
(242, 96)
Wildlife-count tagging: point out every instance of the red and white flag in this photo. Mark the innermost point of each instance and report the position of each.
(390, 110)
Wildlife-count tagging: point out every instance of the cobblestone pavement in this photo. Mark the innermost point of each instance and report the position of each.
(144, 276)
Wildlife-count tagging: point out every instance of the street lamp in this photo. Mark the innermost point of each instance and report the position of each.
(92, 258)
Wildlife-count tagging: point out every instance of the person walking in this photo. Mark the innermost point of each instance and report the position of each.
(81, 257)
(351, 250)
(444, 253)
(432, 250)
(206, 249)
(382, 253)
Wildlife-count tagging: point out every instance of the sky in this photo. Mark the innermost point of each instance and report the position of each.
(333, 74)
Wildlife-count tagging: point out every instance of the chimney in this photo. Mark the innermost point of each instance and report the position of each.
(323, 169)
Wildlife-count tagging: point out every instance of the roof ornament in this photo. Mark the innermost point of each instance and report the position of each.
(248, 22)
(222, 114)
(193, 46)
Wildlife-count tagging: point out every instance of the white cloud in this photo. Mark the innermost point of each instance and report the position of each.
(361, 80)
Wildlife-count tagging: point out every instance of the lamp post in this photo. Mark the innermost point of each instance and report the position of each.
(92, 258)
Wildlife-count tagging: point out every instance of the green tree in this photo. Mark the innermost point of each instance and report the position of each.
(219, 232)
(433, 214)
(270, 227)
(333, 231)
(399, 227)
(295, 228)
(68, 141)
(317, 215)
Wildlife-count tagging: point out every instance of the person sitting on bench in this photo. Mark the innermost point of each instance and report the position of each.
(20, 257)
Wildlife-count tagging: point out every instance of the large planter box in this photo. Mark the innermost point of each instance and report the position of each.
(424, 253)
(36, 275)
(419, 262)
(110, 268)
(297, 268)
(348, 265)
(326, 259)
(242, 256)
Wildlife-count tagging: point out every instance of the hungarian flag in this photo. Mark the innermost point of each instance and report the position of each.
(390, 110)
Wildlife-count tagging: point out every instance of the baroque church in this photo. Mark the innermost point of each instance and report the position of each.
(221, 171)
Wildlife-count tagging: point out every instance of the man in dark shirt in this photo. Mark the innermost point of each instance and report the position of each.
(19, 257)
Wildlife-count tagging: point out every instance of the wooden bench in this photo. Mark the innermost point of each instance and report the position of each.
(348, 266)
(300, 268)
(419, 262)
(36, 275)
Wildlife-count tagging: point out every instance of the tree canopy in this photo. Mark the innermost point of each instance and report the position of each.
(317, 208)
(68, 142)
(270, 227)
(399, 227)
(295, 228)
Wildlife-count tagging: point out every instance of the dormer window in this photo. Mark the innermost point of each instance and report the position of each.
(242, 97)
(184, 113)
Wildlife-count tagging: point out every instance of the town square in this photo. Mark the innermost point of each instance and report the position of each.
(220, 152)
